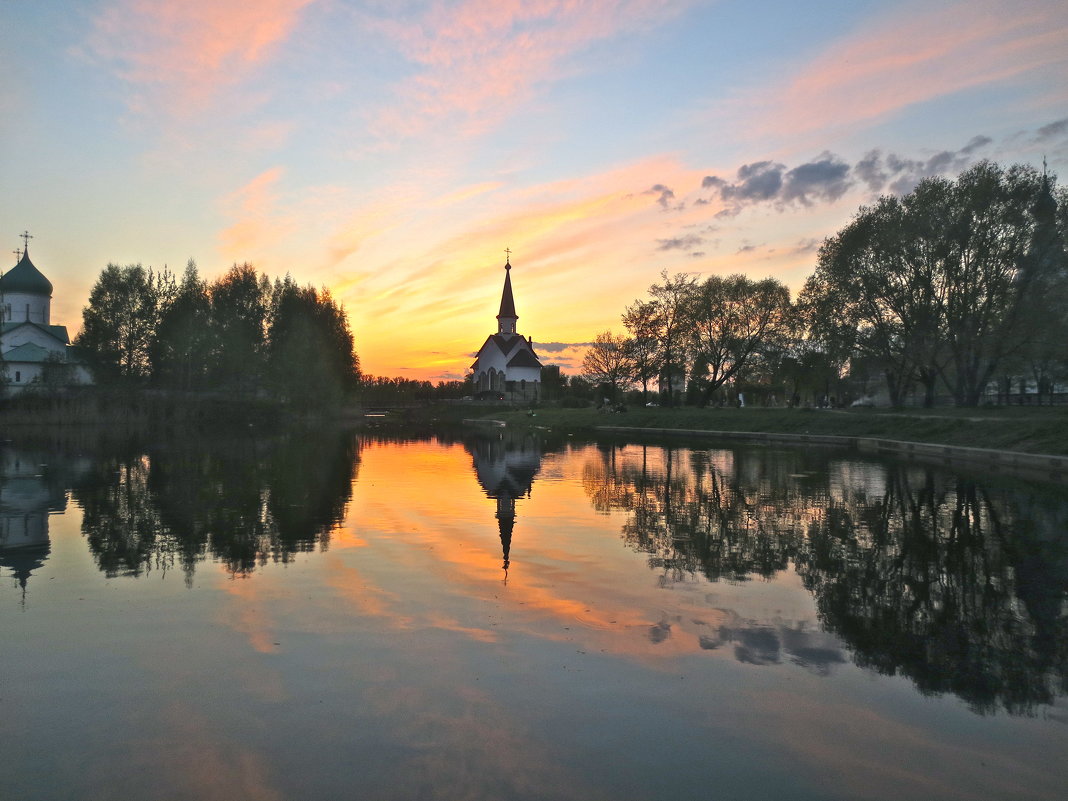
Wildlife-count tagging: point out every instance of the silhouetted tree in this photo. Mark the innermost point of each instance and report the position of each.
(120, 322)
(239, 318)
(183, 345)
(310, 348)
(665, 319)
(988, 291)
(937, 284)
(642, 345)
(734, 322)
(606, 362)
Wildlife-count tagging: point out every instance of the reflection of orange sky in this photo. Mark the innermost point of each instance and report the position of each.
(250, 615)
(420, 550)
(902, 759)
(553, 591)
(187, 757)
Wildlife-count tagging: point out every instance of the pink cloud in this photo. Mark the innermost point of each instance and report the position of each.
(258, 225)
(478, 58)
(916, 58)
(178, 53)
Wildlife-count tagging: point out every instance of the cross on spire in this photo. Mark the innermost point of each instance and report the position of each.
(26, 237)
(18, 255)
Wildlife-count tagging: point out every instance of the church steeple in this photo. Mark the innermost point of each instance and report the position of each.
(506, 317)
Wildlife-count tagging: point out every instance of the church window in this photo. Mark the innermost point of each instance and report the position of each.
(18, 376)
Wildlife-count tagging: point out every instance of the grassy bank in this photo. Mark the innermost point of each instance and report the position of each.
(1030, 430)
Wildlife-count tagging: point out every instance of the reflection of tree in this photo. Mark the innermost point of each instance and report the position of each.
(936, 581)
(960, 587)
(243, 502)
(691, 515)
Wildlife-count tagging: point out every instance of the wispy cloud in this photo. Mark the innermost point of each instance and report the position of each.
(918, 54)
(175, 55)
(258, 225)
(475, 59)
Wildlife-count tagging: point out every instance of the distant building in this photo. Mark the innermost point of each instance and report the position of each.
(29, 344)
(507, 363)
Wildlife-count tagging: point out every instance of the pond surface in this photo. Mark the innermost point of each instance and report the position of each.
(507, 616)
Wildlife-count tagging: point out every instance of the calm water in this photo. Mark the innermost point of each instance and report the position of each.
(325, 616)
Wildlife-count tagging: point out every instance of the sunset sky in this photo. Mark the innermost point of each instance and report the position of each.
(392, 149)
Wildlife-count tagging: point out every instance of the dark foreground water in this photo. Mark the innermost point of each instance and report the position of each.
(325, 616)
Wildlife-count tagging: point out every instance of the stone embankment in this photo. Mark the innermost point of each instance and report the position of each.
(1014, 463)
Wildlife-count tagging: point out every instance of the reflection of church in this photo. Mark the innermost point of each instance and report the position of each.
(505, 465)
(27, 496)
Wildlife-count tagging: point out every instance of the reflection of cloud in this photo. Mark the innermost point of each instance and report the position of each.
(659, 632)
(766, 644)
(756, 646)
(189, 757)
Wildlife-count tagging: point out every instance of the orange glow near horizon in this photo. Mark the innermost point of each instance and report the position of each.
(392, 152)
(442, 535)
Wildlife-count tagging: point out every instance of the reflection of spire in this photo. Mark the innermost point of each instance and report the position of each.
(505, 523)
(23, 561)
(505, 465)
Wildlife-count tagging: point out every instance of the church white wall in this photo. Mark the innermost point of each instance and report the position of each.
(29, 333)
(528, 374)
(21, 374)
(18, 307)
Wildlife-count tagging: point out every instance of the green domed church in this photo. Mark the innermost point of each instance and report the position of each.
(30, 345)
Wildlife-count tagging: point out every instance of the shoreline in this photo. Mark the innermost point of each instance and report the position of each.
(1046, 467)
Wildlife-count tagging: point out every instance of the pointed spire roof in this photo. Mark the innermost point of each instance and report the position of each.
(25, 278)
(507, 302)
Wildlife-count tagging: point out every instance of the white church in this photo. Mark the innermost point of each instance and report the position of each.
(29, 343)
(507, 364)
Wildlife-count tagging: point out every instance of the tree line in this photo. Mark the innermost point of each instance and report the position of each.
(953, 287)
(242, 334)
